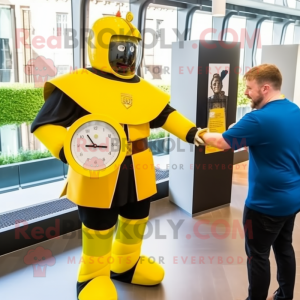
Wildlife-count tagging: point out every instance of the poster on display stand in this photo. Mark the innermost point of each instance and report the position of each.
(217, 98)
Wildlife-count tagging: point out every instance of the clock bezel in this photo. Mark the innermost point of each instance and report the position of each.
(68, 146)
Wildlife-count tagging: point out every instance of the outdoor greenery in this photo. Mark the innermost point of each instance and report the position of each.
(23, 155)
(242, 99)
(19, 103)
(165, 88)
(162, 133)
(158, 135)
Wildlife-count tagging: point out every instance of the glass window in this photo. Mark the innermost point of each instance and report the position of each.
(289, 34)
(160, 32)
(265, 38)
(28, 76)
(237, 30)
(5, 60)
(31, 39)
(6, 46)
(61, 24)
(201, 26)
(62, 69)
(9, 140)
(158, 28)
(292, 3)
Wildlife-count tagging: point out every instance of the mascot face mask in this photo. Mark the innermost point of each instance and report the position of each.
(124, 55)
(114, 46)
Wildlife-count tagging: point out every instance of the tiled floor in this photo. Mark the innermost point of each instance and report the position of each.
(210, 266)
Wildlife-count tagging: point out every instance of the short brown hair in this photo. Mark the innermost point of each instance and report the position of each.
(216, 76)
(265, 73)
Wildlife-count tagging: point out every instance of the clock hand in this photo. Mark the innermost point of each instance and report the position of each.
(91, 139)
(95, 146)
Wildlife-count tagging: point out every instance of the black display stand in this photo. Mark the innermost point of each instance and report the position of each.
(201, 182)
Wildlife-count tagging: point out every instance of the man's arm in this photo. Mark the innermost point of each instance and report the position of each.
(247, 132)
(215, 140)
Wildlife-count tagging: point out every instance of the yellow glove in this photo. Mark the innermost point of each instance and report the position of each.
(198, 141)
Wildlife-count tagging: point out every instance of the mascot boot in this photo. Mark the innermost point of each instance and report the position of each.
(128, 266)
(94, 281)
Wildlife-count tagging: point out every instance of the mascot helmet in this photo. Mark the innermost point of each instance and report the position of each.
(114, 46)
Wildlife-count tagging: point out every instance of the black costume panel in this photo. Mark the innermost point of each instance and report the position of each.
(102, 219)
(135, 79)
(162, 118)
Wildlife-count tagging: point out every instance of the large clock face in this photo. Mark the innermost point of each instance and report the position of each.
(95, 145)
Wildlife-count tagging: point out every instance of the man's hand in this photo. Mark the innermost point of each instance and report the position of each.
(198, 141)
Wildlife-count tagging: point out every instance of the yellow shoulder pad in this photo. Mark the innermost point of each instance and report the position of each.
(128, 103)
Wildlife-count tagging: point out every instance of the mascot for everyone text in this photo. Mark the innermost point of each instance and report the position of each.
(112, 88)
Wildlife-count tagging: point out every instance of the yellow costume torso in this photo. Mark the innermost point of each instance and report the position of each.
(133, 104)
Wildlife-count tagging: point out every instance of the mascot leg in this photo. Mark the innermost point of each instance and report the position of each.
(128, 265)
(94, 281)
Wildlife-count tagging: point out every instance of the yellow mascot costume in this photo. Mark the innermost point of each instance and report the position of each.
(112, 88)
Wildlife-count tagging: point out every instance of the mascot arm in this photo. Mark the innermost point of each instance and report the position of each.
(57, 113)
(172, 121)
(169, 119)
(53, 137)
(181, 127)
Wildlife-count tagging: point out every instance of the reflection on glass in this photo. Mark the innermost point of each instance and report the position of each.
(160, 32)
(292, 3)
(237, 30)
(201, 26)
(61, 24)
(43, 35)
(289, 34)
(5, 60)
(266, 35)
(6, 46)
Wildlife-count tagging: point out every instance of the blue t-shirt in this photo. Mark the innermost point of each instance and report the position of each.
(272, 134)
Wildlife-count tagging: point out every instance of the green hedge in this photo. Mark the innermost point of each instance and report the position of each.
(23, 155)
(158, 135)
(19, 103)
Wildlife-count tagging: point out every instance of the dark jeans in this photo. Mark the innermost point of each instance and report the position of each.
(262, 232)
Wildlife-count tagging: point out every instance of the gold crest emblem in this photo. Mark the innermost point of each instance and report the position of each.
(94, 173)
(126, 100)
